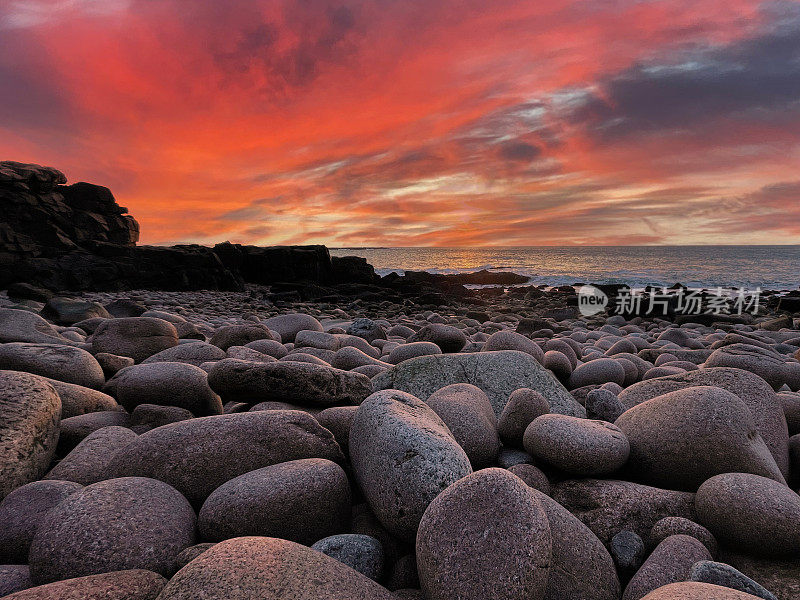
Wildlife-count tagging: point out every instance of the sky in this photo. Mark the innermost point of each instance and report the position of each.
(416, 122)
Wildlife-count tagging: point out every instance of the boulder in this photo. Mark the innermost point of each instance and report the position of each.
(670, 562)
(577, 446)
(14, 578)
(88, 462)
(288, 326)
(338, 420)
(300, 500)
(498, 374)
(75, 429)
(403, 456)
(78, 400)
(127, 523)
(751, 513)
(199, 455)
(532, 476)
(367, 329)
(467, 412)
(679, 526)
(68, 311)
(598, 372)
(485, 536)
(680, 439)
(149, 416)
(23, 326)
(239, 335)
(448, 338)
(697, 591)
(407, 351)
(510, 340)
(781, 576)
(263, 568)
(22, 511)
(707, 571)
(760, 399)
(136, 337)
(193, 353)
(132, 584)
(362, 553)
(608, 506)
(165, 384)
(56, 361)
(30, 413)
(764, 362)
(295, 382)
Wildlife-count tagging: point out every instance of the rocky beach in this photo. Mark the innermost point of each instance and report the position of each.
(243, 422)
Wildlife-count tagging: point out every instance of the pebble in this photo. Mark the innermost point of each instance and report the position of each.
(629, 552)
(602, 403)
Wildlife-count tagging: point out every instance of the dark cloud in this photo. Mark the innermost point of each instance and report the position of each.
(519, 151)
(755, 79)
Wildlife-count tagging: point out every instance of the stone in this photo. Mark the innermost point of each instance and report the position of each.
(14, 578)
(331, 342)
(288, 326)
(609, 506)
(604, 404)
(367, 329)
(496, 373)
(349, 358)
(22, 511)
(779, 576)
(469, 416)
(78, 400)
(580, 568)
(75, 429)
(23, 326)
(523, 406)
(509, 457)
(338, 420)
(263, 568)
(670, 562)
(628, 551)
(199, 455)
(268, 347)
(362, 553)
(577, 446)
(248, 354)
(403, 456)
(126, 523)
(764, 362)
(532, 476)
(112, 364)
(295, 382)
(412, 350)
(30, 413)
(187, 555)
(750, 388)
(300, 500)
(193, 353)
(448, 338)
(136, 337)
(707, 571)
(750, 513)
(150, 416)
(239, 335)
(165, 384)
(68, 311)
(791, 409)
(125, 307)
(26, 291)
(510, 340)
(88, 462)
(678, 525)
(456, 557)
(696, 591)
(558, 363)
(56, 361)
(680, 439)
(598, 371)
(132, 584)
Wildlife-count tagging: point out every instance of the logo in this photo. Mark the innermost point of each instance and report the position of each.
(591, 300)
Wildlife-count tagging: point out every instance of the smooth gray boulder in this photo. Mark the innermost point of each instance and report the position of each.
(56, 361)
(498, 374)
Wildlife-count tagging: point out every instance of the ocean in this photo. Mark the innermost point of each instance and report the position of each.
(749, 267)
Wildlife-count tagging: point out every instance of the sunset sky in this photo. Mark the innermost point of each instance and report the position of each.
(416, 122)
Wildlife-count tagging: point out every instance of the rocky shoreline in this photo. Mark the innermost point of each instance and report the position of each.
(314, 431)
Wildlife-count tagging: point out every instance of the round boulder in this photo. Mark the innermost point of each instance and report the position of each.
(523, 406)
(88, 462)
(30, 412)
(136, 337)
(412, 350)
(751, 513)
(300, 500)
(56, 361)
(239, 335)
(133, 584)
(447, 337)
(288, 326)
(511, 340)
(697, 591)
(193, 353)
(597, 372)
(127, 523)
(360, 552)
(577, 446)
(403, 456)
(670, 562)
(485, 536)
